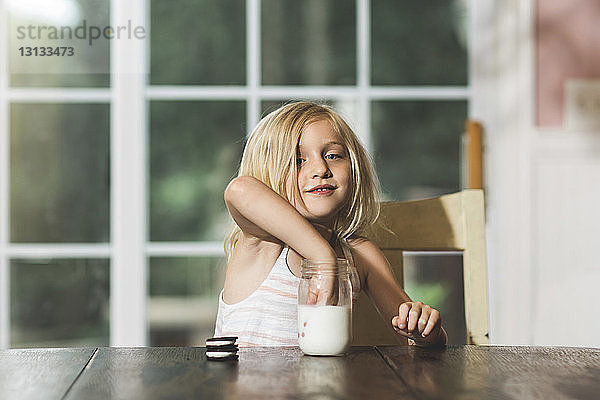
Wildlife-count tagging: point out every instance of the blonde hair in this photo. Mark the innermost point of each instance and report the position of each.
(270, 156)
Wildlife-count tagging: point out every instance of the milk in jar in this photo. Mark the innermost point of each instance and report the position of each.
(324, 330)
(324, 307)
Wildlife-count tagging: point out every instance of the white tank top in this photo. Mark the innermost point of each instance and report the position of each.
(268, 317)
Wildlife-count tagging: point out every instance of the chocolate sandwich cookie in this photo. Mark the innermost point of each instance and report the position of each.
(221, 341)
(221, 349)
(220, 355)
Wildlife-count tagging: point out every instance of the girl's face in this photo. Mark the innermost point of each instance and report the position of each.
(324, 173)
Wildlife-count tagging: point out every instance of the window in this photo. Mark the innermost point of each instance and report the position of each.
(111, 210)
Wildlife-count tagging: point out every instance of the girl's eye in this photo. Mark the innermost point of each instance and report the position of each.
(333, 156)
(299, 161)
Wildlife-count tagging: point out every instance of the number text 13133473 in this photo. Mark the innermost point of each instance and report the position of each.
(46, 51)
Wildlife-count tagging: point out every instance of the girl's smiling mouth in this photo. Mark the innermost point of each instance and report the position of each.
(322, 189)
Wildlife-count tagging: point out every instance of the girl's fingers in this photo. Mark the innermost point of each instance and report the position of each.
(418, 321)
(422, 323)
(434, 320)
(321, 291)
(312, 297)
(413, 316)
(324, 297)
(403, 315)
(313, 292)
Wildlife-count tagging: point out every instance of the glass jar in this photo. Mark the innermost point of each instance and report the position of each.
(325, 307)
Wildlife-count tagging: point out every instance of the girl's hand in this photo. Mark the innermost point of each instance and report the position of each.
(322, 287)
(321, 291)
(421, 323)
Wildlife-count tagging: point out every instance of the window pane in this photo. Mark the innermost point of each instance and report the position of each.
(59, 176)
(184, 299)
(51, 24)
(195, 149)
(186, 276)
(310, 42)
(416, 146)
(59, 303)
(207, 39)
(412, 40)
(437, 280)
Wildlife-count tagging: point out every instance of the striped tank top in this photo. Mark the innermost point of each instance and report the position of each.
(268, 317)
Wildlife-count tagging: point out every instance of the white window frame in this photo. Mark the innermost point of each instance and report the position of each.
(128, 97)
(4, 182)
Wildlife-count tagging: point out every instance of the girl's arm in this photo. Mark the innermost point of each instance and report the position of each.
(262, 213)
(414, 320)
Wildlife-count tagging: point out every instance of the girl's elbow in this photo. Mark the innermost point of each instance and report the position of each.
(231, 191)
(236, 189)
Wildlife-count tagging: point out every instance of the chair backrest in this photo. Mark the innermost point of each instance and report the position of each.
(453, 222)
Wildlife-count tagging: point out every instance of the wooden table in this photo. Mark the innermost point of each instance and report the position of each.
(457, 372)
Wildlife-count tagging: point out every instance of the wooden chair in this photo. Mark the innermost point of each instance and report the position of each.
(453, 222)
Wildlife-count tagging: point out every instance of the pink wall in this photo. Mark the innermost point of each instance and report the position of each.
(568, 46)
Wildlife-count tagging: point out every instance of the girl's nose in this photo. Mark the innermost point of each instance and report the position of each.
(320, 169)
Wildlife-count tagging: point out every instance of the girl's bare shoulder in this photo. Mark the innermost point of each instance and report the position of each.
(366, 253)
(362, 244)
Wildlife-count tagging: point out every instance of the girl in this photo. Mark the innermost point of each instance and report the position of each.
(306, 189)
